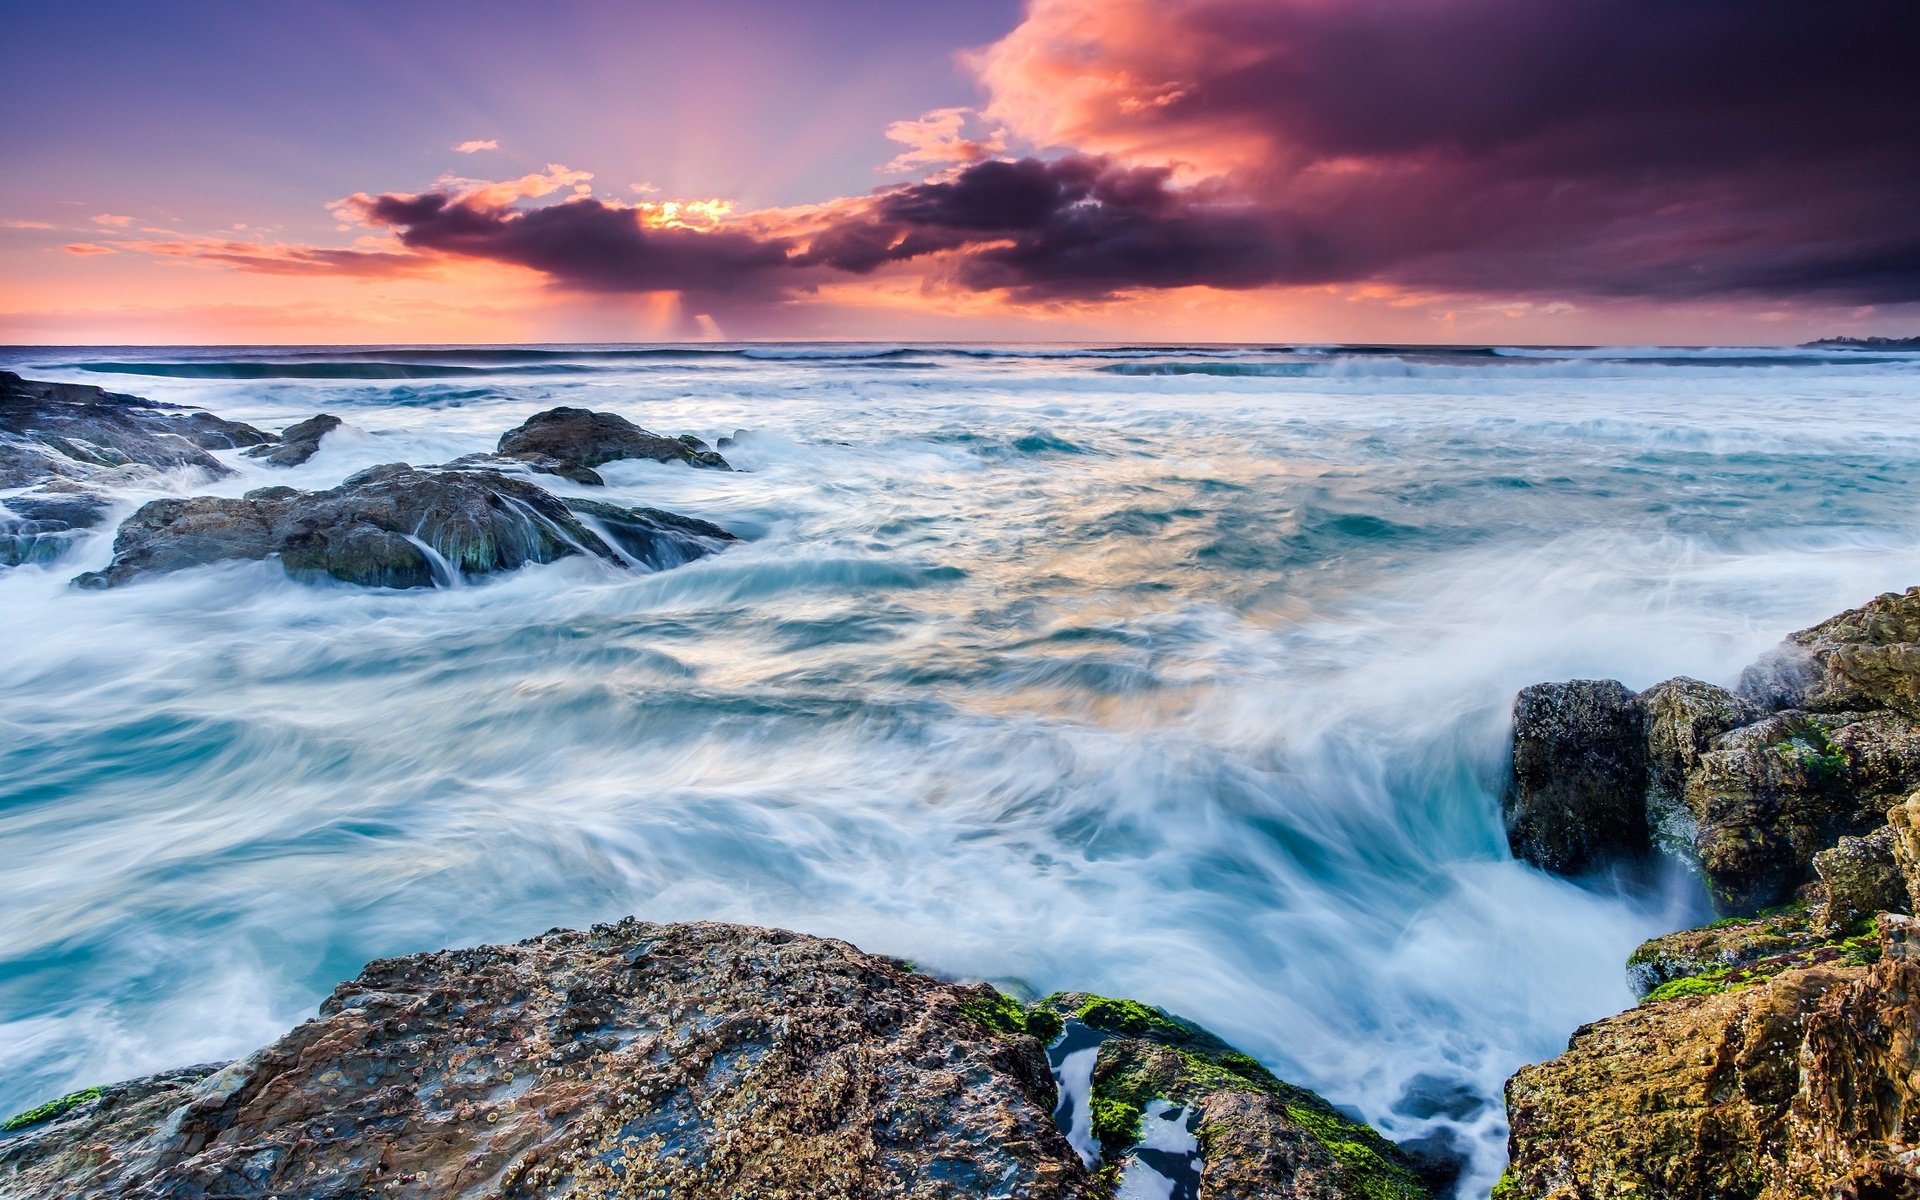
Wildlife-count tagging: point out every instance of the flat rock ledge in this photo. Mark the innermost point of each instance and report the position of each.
(701, 1060)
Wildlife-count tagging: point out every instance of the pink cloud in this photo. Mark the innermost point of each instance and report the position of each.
(476, 145)
(86, 248)
(935, 139)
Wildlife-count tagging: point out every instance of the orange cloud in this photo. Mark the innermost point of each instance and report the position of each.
(108, 219)
(934, 139)
(85, 248)
(281, 259)
(476, 145)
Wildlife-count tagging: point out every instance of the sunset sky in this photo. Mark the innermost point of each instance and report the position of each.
(1213, 170)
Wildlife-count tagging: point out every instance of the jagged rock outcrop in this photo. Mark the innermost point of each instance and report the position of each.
(298, 442)
(1793, 1087)
(398, 526)
(1745, 788)
(52, 431)
(572, 441)
(700, 1061)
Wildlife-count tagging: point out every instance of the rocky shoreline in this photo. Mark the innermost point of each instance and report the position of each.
(708, 1060)
(1776, 1052)
(66, 448)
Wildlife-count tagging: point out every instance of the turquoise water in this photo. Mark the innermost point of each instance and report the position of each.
(1178, 674)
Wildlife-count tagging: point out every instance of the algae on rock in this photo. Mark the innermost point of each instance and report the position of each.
(1791, 1088)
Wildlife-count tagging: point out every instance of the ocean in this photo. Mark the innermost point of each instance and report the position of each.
(1177, 673)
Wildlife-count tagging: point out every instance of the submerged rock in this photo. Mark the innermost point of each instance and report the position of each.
(700, 1061)
(1579, 789)
(39, 526)
(396, 526)
(298, 442)
(572, 441)
(1793, 1087)
(71, 431)
(1167, 1108)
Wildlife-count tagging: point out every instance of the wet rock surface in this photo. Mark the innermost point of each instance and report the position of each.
(1746, 789)
(40, 525)
(52, 431)
(572, 441)
(1792, 1086)
(1579, 786)
(700, 1061)
(397, 526)
(298, 442)
(1164, 1107)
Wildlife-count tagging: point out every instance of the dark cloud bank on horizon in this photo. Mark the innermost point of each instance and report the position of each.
(1665, 149)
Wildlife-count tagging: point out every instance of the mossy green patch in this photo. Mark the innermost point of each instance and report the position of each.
(1361, 1150)
(52, 1109)
(1688, 985)
(1116, 1123)
(1129, 1017)
(1505, 1188)
(1808, 746)
(1001, 1013)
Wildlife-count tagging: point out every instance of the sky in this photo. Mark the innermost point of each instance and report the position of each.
(1509, 171)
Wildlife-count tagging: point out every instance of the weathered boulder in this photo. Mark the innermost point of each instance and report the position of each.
(1745, 788)
(702, 1061)
(395, 526)
(1861, 877)
(1579, 789)
(1904, 819)
(72, 431)
(1769, 796)
(572, 441)
(298, 442)
(1793, 1088)
(1682, 717)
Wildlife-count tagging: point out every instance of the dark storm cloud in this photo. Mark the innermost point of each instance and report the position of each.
(582, 243)
(1684, 148)
(1662, 147)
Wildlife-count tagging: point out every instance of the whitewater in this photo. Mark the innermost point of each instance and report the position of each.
(1181, 674)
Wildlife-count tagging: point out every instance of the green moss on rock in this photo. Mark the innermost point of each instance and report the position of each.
(52, 1109)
